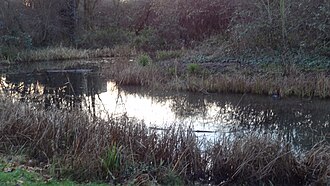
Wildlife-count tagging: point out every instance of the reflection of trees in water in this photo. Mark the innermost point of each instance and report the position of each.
(294, 120)
(61, 89)
(186, 106)
(21, 87)
(183, 104)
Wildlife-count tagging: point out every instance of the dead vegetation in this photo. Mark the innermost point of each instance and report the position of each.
(69, 53)
(232, 78)
(123, 150)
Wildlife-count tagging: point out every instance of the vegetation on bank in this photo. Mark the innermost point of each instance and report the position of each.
(198, 72)
(227, 76)
(221, 28)
(16, 170)
(72, 145)
(263, 47)
(67, 53)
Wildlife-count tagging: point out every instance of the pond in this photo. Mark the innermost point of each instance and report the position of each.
(301, 122)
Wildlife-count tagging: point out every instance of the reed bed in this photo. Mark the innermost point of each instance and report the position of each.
(302, 85)
(237, 78)
(52, 53)
(240, 80)
(125, 72)
(68, 53)
(84, 148)
(124, 151)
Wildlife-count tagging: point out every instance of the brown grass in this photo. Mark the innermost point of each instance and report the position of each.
(230, 79)
(130, 72)
(77, 146)
(67, 53)
(255, 160)
(52, 53)
(174, 74)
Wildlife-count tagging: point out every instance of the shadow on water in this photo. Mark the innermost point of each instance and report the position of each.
(301, 122)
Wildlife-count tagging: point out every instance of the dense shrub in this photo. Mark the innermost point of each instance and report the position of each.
(149, 40)
(104, 38)
(262, 26)
(144, 60)
(250, 27)
(10, 45)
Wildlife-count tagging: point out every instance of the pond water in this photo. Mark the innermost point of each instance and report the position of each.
(302, 122)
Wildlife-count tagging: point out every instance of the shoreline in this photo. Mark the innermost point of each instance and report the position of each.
(168, 70)
(230, 78)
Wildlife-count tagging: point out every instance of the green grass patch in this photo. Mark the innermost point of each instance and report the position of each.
(10, 174)
(144, 60)
(13, 173)
(111, 162)
(193, 68)
(168, 54)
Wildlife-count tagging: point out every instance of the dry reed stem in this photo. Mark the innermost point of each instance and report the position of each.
(75, 145)
(66, 53)
(241, 81)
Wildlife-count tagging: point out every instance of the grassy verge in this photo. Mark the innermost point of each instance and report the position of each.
(125, 151)
(16, 170)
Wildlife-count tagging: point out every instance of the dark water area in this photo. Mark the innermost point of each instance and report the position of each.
(302, 122)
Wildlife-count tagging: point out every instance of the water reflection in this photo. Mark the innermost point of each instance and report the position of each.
(301, 122)
(64, 89)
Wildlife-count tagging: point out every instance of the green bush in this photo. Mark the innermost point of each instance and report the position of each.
(10, 45)
(297, 25)
(193, 68)
(144, 60)
(148, 40)
(7, 53)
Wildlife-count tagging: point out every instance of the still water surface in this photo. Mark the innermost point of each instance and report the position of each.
(301, 122)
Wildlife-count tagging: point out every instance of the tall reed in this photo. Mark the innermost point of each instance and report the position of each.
(255, 80)
(123, 150)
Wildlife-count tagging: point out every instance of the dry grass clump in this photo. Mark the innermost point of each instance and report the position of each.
(317, 164)
(52, 53)
(117, 51)
(168, 54)
(255, 160)
(302, 85)
(132, 72)
(119, 149)
(125, 151)
(240, 80)
(67, 53)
